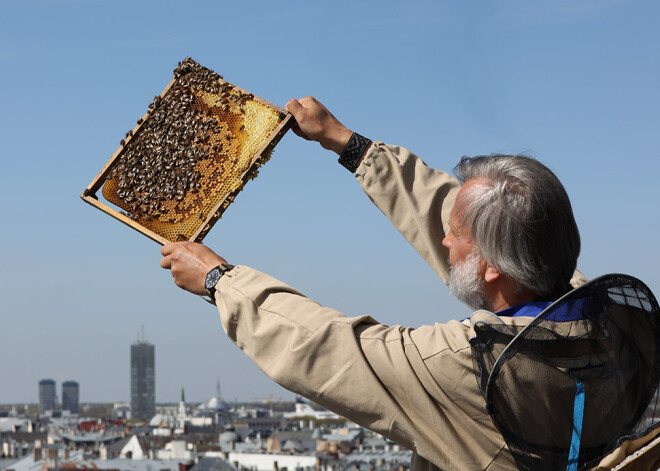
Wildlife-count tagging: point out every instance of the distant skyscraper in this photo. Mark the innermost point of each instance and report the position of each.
(143, 380)
(46, 395)
(70, 396)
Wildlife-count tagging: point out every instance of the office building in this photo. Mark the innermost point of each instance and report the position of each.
(143, 380)
(46, 395)
(70, 396)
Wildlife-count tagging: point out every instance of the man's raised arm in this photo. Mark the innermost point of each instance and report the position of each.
(417, 199)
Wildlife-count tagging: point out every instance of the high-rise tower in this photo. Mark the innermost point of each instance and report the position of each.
(70, 396)
(46, 395)
(143, 379)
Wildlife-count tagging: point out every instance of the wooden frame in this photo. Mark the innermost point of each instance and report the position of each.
(89, 195)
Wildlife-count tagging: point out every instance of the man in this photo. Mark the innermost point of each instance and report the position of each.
(505, 241)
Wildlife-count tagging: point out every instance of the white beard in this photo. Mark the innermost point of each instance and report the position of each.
(465, 284)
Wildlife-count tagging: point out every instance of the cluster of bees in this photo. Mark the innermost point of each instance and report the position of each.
(189, 135)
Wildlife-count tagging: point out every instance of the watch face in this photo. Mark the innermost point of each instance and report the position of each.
(212, 278)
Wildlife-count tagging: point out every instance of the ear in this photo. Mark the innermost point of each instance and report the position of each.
(491, 274)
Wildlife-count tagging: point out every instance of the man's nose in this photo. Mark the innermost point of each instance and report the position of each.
(446, 242)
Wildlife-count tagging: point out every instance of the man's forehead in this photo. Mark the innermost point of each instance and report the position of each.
(460, 205)
(462, 197)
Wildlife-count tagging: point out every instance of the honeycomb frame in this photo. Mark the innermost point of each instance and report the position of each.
(197, 225)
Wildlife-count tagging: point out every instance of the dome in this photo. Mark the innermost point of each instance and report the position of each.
(215, 403)
(161, 420)
(229, 436)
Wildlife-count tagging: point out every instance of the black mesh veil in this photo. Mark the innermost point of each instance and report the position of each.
(605, 343)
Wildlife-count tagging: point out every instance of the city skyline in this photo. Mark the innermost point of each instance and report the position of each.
(574, 84)
(142, 364)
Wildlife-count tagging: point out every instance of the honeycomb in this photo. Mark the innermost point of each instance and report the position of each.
(186, 160)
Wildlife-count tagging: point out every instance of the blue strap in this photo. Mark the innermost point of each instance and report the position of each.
(578, 415)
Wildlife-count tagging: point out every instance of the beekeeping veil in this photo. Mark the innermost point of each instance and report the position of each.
(566, 388)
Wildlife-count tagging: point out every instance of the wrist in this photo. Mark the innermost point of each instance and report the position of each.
(337, 140)
(213, 277)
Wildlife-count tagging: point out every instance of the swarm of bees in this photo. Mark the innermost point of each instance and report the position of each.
(191, 134)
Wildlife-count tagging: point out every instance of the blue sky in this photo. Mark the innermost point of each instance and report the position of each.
(572, 83)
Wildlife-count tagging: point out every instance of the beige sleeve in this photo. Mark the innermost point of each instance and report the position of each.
(305, 347)
(578, 279)
(416, 198)
(372, 374)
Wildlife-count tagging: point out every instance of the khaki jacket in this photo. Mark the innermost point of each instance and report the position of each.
(416, 387)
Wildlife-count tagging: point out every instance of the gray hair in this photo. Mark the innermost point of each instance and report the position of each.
(521, 221)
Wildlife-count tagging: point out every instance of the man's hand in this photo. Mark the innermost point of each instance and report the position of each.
(189, 263)
(316, 123)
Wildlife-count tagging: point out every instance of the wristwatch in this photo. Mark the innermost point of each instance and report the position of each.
(213, 276)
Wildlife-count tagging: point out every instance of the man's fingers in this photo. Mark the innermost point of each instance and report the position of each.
(297, 131)
(166, 262)
(167, 249)
(295, 108)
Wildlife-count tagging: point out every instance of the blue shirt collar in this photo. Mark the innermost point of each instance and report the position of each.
(568, 311)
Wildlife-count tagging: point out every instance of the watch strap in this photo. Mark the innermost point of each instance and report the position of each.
(222, 269)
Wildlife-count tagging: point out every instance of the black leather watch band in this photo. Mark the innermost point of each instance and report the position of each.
(350, 156)
(213, 276)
